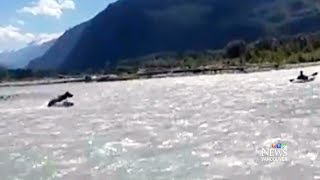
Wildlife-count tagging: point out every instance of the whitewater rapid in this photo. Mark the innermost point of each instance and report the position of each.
(199, 127)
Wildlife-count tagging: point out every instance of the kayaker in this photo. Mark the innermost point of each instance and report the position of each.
(302, 76)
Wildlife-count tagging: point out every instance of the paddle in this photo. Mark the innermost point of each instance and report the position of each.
(314, 74)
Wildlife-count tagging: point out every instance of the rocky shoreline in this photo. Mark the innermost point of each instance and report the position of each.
(160, 74)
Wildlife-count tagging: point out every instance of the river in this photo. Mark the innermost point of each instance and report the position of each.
(199, 127)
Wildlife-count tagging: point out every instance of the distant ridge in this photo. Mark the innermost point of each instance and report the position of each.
(21, 58)
(133, 28)
(56, 54)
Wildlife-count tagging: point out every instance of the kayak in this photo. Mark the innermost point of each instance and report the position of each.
(302, 81)
(310, 79)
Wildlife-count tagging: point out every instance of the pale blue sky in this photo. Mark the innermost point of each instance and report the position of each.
(22, 21)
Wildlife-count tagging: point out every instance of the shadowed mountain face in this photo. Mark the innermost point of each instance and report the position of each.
(132, 28)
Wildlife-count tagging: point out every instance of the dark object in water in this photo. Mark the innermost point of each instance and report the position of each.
(302, 76)
(64, 104)
(61, 98)
(67, 104)
(7, 97)
(302, 79)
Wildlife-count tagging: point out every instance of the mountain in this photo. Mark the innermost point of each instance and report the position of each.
(56, 54)
(20, 58)
(133, 28)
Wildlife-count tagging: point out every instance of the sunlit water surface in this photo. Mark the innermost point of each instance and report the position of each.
(201, 127)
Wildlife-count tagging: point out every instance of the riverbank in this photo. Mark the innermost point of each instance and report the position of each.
(161, 74)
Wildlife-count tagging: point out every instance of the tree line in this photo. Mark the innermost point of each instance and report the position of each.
(271, 50)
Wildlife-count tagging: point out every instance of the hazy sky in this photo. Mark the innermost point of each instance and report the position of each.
(23, 21)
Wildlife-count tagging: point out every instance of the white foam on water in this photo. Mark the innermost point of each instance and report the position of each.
(199, 127)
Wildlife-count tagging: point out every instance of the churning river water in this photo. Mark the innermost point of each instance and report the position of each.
(186, 128)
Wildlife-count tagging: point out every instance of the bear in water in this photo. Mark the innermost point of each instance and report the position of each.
(56, 101)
